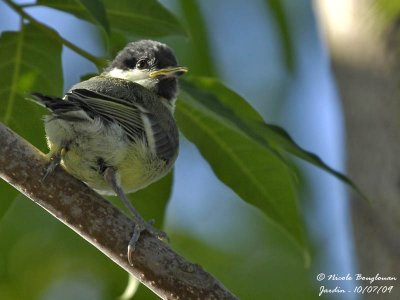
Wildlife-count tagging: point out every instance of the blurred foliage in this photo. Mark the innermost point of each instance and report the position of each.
(389, 8)
(40, 257)
(91, 10)
(141, 17)
(49, 261)
(200, 58)
(282, 24)
(21, 66)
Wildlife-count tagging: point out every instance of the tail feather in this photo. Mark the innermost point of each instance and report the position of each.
(60, 108)
(55, 104)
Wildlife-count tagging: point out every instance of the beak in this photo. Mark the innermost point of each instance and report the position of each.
(169, 72)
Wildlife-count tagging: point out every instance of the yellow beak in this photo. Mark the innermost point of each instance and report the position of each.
(176, 71)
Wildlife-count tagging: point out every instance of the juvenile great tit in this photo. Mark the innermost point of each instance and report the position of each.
(116, 132)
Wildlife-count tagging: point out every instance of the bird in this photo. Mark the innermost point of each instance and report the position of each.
(116, 131)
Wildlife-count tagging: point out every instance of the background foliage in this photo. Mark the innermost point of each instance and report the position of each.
(248, 155)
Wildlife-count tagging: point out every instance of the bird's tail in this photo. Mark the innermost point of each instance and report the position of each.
(54, 104)
(60, 108)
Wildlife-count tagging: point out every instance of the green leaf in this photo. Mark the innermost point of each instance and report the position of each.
(29, 61)
(32, 62)
(275, 138)
(89, 10)
(198, 51)
(252, 170)
(277, 9)
(141, 17)
(280, 139)
(146, 18)
(96, 10)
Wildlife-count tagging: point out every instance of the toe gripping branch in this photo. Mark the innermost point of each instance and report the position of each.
(110, 176)
(55, 160)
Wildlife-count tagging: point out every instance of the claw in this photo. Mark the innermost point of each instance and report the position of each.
(141, 226)
(54, 162)
(132, 242)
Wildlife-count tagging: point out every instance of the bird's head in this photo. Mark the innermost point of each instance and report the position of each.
(151, 64)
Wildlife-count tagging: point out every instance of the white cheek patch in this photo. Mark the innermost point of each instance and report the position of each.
(148, 83)
(138, 76)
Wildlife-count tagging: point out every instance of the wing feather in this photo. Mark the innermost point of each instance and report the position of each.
(110, 109)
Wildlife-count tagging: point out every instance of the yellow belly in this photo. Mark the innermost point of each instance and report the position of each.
(136, 167)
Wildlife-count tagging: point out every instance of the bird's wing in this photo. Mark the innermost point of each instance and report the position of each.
(110, 109)
(132, 117)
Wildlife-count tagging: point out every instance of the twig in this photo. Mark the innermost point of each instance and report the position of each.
(156, 265)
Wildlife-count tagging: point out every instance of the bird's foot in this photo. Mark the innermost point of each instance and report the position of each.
(54, 162)
(142, 225)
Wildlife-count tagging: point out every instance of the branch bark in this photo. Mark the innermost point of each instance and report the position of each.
(156, 265)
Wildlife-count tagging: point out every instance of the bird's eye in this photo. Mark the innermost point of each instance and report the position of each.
(141, 64)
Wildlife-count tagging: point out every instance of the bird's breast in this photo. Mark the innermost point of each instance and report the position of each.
(92, 142)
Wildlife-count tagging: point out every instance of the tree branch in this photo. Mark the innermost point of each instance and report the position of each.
(156, 265)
